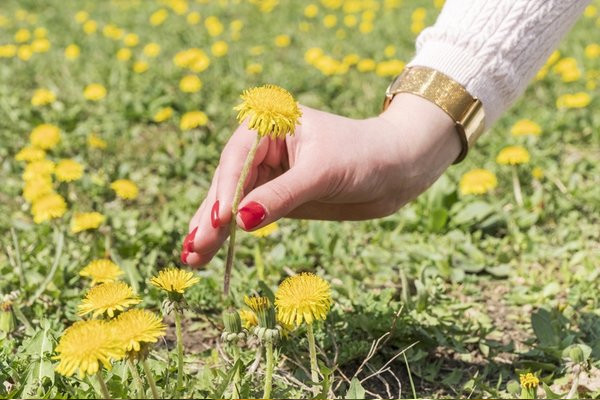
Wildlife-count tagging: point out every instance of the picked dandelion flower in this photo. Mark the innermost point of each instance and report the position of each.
(137, 327)
(304, 297)
(265, 230)
(125, 189)
(102, 271)
(513, 155)
(174, 280)
(477, 181)
(192, 119)
(94, 92)
(68, 171)
(30, 153)
(270, 110)
(42, 97)
(85, 346)
(108, 298)
(529, 381)
(48, 207)
(86, 221)
(45, 136)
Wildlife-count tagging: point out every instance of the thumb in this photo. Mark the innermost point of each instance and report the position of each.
(277, 198)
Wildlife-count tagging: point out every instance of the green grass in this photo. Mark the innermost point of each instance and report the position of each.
(471, 290)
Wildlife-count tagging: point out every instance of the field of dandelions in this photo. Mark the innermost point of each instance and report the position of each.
(112, 118)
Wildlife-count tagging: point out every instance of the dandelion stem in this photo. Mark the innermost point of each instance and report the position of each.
(269, 369)
(60, 241)
(138, 381)
(314, 374)
(517, 187)
(179, 351)
(235, 391)
(234, 210)
(150, 379)
(103, 388)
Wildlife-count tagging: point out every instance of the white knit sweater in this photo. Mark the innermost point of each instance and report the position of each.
(495, 47)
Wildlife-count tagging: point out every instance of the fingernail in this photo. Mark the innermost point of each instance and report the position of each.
(184, 255)
(215, 221)
(252, 215)
(188, 242)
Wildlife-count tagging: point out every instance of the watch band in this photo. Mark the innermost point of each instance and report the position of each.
(465, 110)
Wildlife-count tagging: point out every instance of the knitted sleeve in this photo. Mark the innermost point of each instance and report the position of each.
(495, 47)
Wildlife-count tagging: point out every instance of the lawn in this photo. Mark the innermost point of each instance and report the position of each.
(112, 118)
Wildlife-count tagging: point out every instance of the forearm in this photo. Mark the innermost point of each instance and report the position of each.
(495, 47)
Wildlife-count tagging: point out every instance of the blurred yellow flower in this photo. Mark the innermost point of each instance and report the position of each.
(366, 65)
(131, 40)
(101, 271)
(42, 97)
(350, 21)
(96, 142)
(213, 26)
(190, 84)
(68, 171)
(192, 119)
(107, 298)
(30, 153)
(194, 59)
(575, 100)
(22, 35)
(592, 51)
(85, 221)
(313, 54)
(72, 52)
(257, 50)
(590, 11)
(48, 207)
(330, 20)
(40, 45)
(301, 298)
(366, 27)
(81, 16)
(90, 27)
(529, 381)
(151, 50)
(39, 168)
(389, 51)
(193, 18)
(125, 189)
(24, 52)
(254, 69)
(45, 136)
(37, 188)
(124, 54)
(537, 173)
(525, 127)
(351, 59)
(219, 48)
(389, 68)
(282, 40)
(265, 230)
(112, 32)
(40, 32)
(477, 181)
(158, 17)
(311, 10)
(8, 51)
(270, 110)
(94, 92)
(249, 319)
(136, 327)
(174, 280)
(140, 66)
(513, 155)
(163, 114)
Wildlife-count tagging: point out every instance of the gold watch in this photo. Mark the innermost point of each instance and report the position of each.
(465, 110)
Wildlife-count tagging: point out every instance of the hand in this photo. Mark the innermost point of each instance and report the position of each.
(333, 168)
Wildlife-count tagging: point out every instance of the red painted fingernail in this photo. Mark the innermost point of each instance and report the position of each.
(188, 242)
(252, 215)
(215, 221)
(184, 255)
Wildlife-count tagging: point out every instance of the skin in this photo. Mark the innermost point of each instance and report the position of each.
(333, 168)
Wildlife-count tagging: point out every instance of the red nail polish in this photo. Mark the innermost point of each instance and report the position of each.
(184, 255)
(215, 221)
(188, 242)
(252, 215)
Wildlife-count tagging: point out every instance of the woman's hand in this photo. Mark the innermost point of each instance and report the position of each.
(333, 168)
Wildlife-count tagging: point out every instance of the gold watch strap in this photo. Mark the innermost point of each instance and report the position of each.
(465, 110)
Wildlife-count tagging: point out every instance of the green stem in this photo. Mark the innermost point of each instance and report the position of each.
(269, 369)
(179, 351)
(517, 187)
(150, 379)
(314, 374)
(136, 377)
(234, 210)
(103, 389)
(18, 257)
(59, 248)
(235, 390)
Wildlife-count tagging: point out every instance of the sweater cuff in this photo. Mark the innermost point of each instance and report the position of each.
(462, 66)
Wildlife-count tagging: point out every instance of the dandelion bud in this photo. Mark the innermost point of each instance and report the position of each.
(232, 321)
(263, 309)
(7, 319)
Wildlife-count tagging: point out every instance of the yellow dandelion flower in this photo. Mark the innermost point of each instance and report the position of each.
(90, 27)
(158, 17)
(94, 92)
(85, 345)
(256, 50)
(537, 173)
(68, 171)
(311, 11)
(477, 181)
(190, 84)
(101, 271)
(366, 65)
(313, 54)
(330, 20)
(151, 50)
(529, 381)
(265, 230)
(140, 66)
(254, 69)
(590, 11)
(45, 136)
(125, 189)
(192, 119)
(194, 59)
(85, 221)
(389, 51)
(136, 327)
(366, 27)
(96, 142)
(389, 68)
(525, 127)
(213, 26)
(22, 35)
(219, 48)
(350, 21)
(263, 309)
(40, 45)
(40, 32)
(174, 280)
(193, 18)
(282, 40)
(592, 51)
(37, 188)
(513, 155)
(576, 100)
(163, 114)
(131, 40)
(112, 32)
(304, 297)
(81, 16)
(72, 52)
(48, 207)
(30, 153)
(124, 54)
(8, 51)
(249, 319)
(42, 97)
(270, 111)
(24, 52)
(37, 169)
(107, 298)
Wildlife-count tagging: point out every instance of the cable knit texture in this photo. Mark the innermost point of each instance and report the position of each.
(495, 47)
